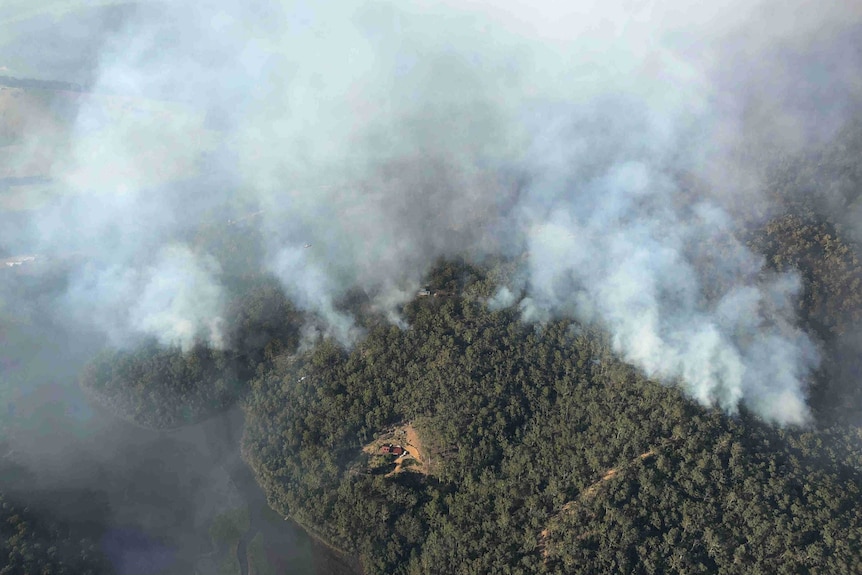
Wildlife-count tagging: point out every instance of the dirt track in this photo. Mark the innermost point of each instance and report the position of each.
(587, 493)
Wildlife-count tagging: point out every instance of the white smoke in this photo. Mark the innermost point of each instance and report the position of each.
(623, 260)
(311, 288)
(176, 299)
(385, 136)
(180, 300)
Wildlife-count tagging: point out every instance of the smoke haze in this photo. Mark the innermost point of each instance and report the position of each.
(611, 143)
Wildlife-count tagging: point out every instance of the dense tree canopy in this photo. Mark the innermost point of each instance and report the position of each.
(522, 424)
(32, 541)
(164, 387)
(832, 302)
(30, 545)
(543, 452)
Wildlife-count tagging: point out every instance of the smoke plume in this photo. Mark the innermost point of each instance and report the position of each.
(610, 143)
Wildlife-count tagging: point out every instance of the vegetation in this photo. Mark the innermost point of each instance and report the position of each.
(814, 231)
(162, 388)
(543, 452)
(832, 302)
(32, 545)
(39, 84)
(547, 453)
(32, 542)
(166, 387)
(522, 425)
(229, 527)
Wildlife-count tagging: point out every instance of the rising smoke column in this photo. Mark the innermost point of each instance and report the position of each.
(387, 136)
(617, 251)
(616, 237)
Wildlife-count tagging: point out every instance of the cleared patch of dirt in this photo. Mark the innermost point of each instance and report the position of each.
(406, 436)
(414, 446)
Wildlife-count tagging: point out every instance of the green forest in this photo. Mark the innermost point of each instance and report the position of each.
(167, 387)
(29, 544)
(430, 288)
(32, 542)
(548, 455)
(541, 451)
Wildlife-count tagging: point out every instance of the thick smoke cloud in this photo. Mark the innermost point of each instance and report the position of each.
(604, 141)
(177, 299)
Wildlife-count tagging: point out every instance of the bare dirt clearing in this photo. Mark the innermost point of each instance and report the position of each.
(407, 437)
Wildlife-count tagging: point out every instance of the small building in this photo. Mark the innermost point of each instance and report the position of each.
(392, 449)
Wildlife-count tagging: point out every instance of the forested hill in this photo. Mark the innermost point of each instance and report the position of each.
(814, 231)
(541, 453)
(31, 542)
(167, 387)
(540, 450)
(534, 449)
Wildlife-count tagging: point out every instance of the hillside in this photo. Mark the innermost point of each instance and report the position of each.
(539, 437)
(421, 288)
(546, 452)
